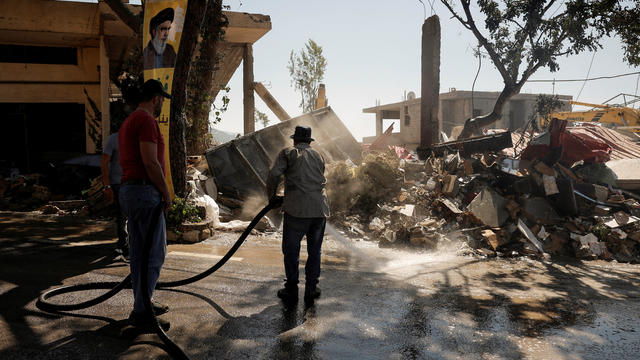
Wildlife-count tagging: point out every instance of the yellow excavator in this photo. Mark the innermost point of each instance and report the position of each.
(623, 118)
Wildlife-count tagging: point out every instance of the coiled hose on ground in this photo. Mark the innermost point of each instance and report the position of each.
(114, 287)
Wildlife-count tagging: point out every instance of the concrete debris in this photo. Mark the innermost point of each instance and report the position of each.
(470, 191)
(376, 225)
(493, 194)
(489, 207)
(530, 235)
(540, 211)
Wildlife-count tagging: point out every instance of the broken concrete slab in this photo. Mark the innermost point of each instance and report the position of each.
(539, 210)
(627, 173)
(489, 207)
(588, 246)
(524, 229)
(449, 205)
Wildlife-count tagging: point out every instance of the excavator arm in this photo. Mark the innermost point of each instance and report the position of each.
(626, 117)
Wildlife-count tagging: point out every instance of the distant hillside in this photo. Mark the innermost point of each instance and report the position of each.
(221, 136)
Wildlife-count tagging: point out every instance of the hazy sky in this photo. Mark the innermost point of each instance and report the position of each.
(373, 52)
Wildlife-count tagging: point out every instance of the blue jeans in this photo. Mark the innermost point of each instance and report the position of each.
(138, 203)
(121, 221)
(294, 228)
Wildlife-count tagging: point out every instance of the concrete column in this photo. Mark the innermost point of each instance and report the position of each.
(378, 122)
(104, 91)
(321, 101)
(429, 130)
(271, 102)
(247, 83)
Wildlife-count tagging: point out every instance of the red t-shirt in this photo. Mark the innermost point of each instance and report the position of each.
(139, 126)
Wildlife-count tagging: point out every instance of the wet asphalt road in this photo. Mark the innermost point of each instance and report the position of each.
(376, 303)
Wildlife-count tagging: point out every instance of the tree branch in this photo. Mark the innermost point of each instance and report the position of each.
(122, 11)
(455, 14)
(495, 58)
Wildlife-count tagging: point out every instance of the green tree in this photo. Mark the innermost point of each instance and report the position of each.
(306, 69)
(522, 36)
(261, 118)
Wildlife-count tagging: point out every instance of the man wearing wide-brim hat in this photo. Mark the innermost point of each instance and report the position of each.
(306, 210)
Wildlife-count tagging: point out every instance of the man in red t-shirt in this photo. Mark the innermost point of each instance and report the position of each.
(143, 189)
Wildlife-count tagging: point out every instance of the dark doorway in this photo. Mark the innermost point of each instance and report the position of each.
(33, 135)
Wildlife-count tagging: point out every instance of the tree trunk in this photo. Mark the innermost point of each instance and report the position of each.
(202, 77)
(473, 126)
(178, 151)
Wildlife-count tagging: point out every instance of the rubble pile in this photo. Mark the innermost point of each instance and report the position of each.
(500, 206)
(23, 192)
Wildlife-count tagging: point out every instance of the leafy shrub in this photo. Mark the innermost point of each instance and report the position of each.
(181, 211)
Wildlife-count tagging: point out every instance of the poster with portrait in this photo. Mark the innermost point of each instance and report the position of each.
(163, 22)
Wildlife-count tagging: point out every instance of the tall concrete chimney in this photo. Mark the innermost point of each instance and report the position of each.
(429, 100)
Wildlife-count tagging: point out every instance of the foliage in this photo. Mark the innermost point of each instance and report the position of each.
(545, 105)
(181, 212)
(521, 37)
(261, 118)
(306, 69)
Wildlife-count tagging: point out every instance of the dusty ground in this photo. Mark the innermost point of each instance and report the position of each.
(376, 303)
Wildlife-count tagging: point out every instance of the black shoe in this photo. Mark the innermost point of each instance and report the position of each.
(311, 294)
(159, 308)
(288, 293)
(143, 322)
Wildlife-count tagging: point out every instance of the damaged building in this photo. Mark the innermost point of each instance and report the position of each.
(58, 59)
(455, 108)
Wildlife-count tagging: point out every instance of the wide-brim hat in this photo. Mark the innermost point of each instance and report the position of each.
(302, 133)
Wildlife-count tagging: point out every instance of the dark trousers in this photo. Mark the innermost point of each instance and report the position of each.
(138, 203)
(294, 228)
(121, 221)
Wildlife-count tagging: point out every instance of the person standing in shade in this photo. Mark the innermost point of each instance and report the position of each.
(306, 210)
(111, 176)
(143, 189)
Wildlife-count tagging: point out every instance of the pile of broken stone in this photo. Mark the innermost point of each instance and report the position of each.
(497, 206)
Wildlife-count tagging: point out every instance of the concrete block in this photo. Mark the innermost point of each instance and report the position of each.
(540, 211)
(489, 207)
